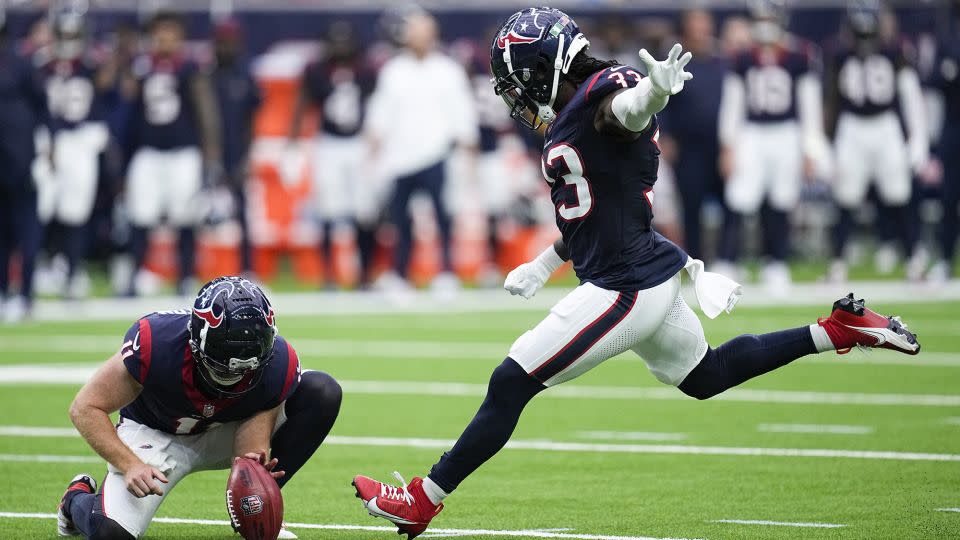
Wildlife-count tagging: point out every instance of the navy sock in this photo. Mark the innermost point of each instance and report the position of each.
(326, 251)
(509, 391)
(86, 512)
(745, 357)
(366, 244)
(841, 232)
(186, 250)
(776, 233)
(311, 412)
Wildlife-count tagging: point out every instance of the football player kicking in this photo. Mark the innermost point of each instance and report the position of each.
(600, 159)
(194, 389)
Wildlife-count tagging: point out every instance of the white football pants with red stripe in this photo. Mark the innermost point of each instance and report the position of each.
(591, 325)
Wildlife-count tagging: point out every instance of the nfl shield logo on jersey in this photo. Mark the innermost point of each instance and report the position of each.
(208, 410)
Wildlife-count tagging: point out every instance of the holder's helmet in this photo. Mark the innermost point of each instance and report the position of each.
(232, 330)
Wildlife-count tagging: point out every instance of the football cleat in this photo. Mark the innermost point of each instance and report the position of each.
(407, 506)
(80, 482)
(851, 325)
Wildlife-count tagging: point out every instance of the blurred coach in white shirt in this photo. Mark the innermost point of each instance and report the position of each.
(421, 110)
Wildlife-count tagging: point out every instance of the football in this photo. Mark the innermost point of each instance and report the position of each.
(254, 502)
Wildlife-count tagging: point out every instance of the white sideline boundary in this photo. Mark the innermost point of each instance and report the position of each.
(543, 446)
(104, 345)
(526, 533)
(73, 374)
(472, 301)
(779, 523)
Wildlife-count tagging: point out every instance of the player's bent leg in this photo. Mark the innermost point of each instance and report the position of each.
(412, 506)
(81, 513)
(310, 414)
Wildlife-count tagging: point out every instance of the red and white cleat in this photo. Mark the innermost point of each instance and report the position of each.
(406, 506)
(80, 482)
(853, 325)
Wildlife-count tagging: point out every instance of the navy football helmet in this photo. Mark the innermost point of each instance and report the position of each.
(232, 329)
(529, 53)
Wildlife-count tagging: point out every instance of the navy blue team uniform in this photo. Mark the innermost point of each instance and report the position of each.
(164, 118)
(157, 354)
(692, 122)
(946, 78)
(238, 96)
(603, 191)
(22, 108)
(350, 84)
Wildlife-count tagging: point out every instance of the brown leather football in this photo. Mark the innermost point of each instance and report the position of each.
(254, 502)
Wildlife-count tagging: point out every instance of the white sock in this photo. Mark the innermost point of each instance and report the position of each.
(433, 491)
(821, 340)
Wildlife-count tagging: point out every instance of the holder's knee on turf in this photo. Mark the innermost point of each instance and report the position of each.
(111, 530)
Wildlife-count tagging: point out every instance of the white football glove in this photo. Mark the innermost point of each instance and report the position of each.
(528, 278)
(668, 76)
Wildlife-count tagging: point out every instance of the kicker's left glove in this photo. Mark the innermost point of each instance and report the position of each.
(668, 76)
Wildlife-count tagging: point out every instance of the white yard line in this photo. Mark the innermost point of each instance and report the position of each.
(530, 533)
(631, 436)
(833, 429)
(73, 374)
(820, 295)
(779, 523)
(952, 420)
(561, 446)
(948, 509)
(103, 345)
(33, 431)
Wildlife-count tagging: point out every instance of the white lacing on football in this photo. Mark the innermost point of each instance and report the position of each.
(396, 493)
(230, 511)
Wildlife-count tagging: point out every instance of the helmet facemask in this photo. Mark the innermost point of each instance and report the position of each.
(531, 94)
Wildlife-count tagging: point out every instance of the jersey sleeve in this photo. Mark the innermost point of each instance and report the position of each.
(608, 81)
(137, 349)
(288, 358)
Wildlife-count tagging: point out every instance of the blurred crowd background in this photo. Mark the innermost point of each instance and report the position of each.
(358, 144)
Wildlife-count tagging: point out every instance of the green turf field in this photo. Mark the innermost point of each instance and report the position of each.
(867, 442)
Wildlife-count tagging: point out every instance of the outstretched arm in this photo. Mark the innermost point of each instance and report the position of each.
(111, 388)
(528, 278)
(629, 111)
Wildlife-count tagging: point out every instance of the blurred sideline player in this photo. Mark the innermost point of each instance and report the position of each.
(238, 97)
(602, 122)
(413, 131)
(76, 88)
(771, 135)
(946, 78)
(175, 113)
(22, 107)
(194, 389)
(495, 187)
(339, 85)
(870, 81)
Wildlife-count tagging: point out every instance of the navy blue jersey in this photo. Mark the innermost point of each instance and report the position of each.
(238, 96)
(946, 78)
(602, 188)
(72, 94)
(770, 78)
(157, 354)
(341, 92)
(22, 107)
(866, 84)
(165, 118)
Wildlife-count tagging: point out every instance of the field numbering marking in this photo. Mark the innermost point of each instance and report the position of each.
(780, 523)
(832, 429)
(527, 533)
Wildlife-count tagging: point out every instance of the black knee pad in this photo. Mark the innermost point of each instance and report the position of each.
(317, 391)
(510, 382)
(111, 530)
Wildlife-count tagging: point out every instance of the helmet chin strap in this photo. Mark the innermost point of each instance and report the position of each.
(561, 64)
